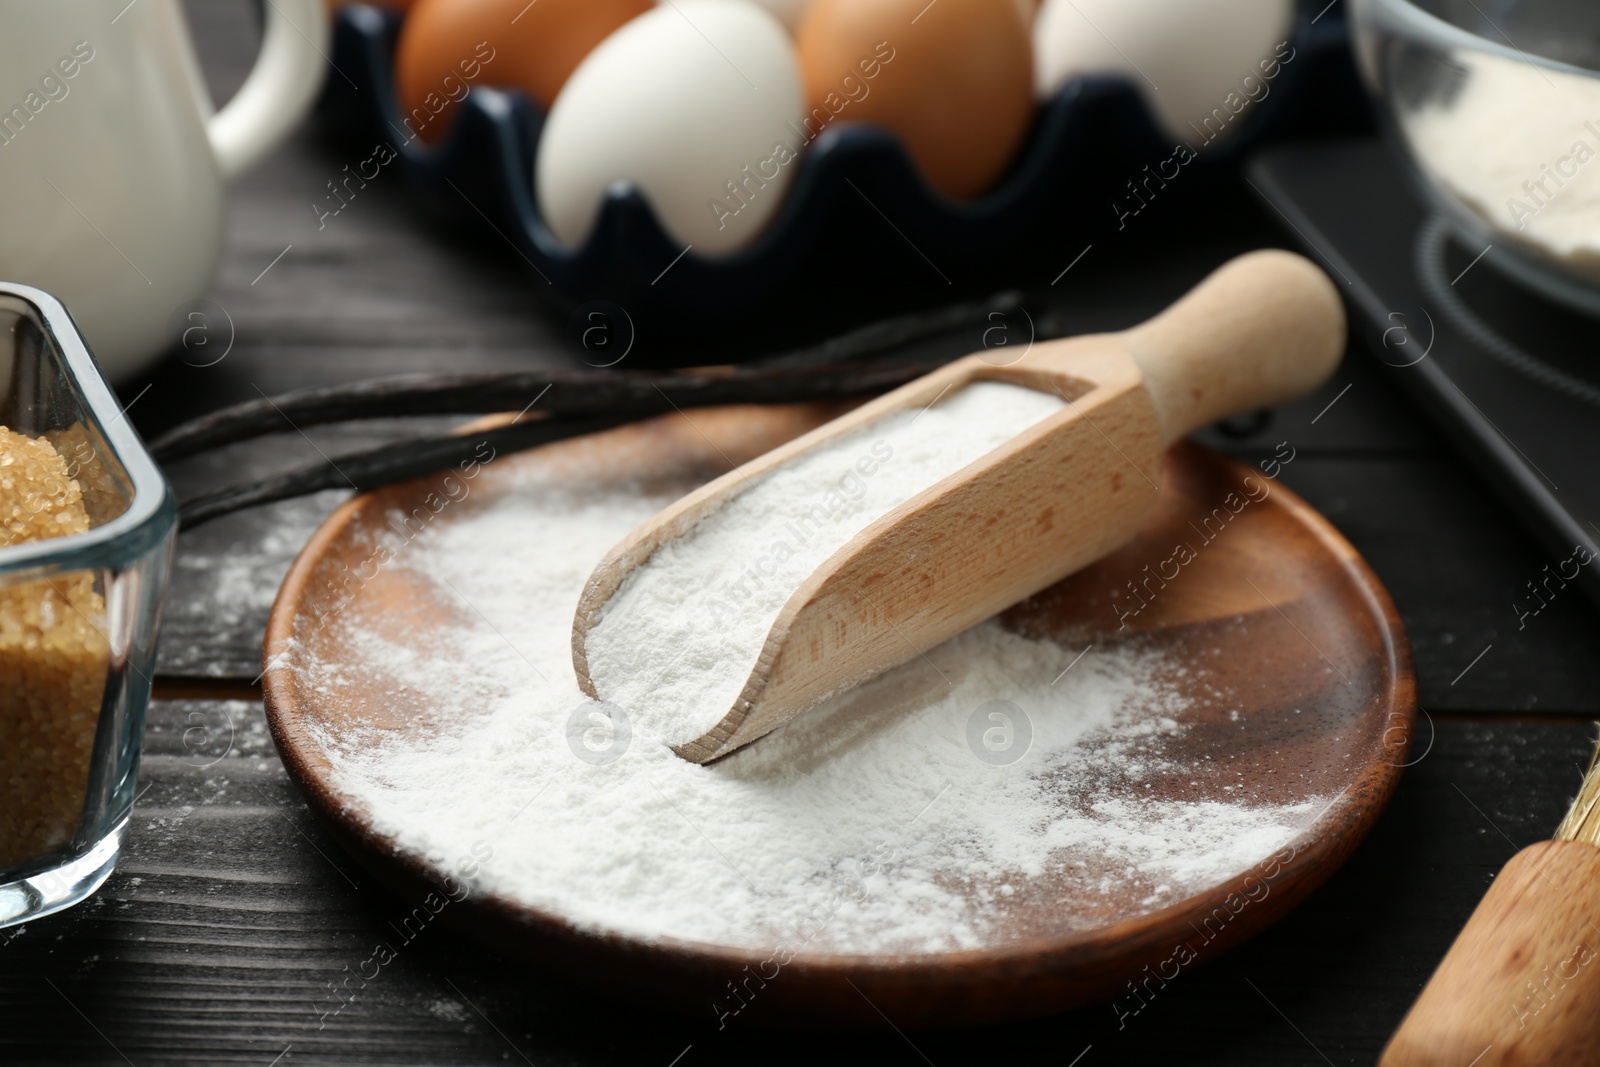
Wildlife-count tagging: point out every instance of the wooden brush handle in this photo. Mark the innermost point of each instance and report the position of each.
(1521, 985)
(1264, 328)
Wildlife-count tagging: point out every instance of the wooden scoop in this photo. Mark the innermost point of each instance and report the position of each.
(1265, 328)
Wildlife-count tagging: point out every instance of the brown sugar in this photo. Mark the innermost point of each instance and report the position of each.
(53, 659)
(102, 497)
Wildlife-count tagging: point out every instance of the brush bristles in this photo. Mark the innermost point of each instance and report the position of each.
(1583, 818)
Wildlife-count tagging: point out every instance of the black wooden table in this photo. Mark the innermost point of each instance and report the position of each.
(232, 915)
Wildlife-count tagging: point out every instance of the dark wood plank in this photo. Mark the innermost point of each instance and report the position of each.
(1458, 570)
(224, 578)
(217, 939)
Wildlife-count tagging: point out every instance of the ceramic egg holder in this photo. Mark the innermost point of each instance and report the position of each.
(1088, 147)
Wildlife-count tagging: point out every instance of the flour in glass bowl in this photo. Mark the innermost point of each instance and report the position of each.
(870, 825)
(1518, 143)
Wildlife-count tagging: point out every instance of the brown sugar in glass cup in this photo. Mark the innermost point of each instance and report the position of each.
(86, 531)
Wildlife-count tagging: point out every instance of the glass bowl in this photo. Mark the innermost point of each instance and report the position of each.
(78, 611)
(1495, 105)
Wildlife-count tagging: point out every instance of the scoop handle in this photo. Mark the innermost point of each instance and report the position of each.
(1264, 328)
(1521, 984)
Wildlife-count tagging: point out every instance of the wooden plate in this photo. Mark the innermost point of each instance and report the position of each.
(1303, 687)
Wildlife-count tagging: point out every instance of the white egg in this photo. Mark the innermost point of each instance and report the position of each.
(697, 103)
(788, 11)
(1185, 56)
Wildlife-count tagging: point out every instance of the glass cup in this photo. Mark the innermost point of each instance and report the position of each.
(78, 616)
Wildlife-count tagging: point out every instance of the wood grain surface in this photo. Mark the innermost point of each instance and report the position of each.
(216, 940)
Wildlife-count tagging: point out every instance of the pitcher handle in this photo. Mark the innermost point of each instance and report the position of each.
(281, 87)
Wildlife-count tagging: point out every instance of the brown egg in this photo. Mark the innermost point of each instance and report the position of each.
(448, 46)
(954, 78)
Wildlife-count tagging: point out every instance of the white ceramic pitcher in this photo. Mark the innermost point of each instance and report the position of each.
(114, 162)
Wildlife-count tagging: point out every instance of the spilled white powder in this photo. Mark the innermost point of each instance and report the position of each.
(869, 825)
(1518, 144)
(676, 643)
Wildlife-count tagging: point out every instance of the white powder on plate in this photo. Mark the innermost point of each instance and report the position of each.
(677, 641)
(1518, 144)
(869, 825)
